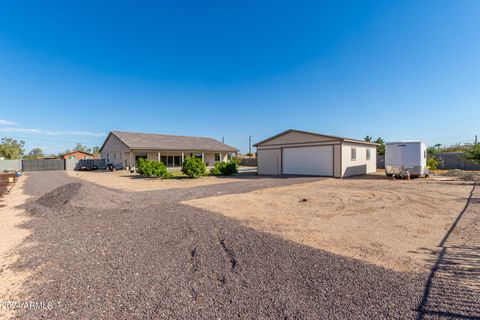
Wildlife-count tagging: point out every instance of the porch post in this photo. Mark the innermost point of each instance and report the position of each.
(203, 156)
(158, 155)
(132, 164)
(221, 159)
(183, 157)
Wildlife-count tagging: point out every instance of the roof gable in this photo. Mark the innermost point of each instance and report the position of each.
(78, 151)
(298, 136)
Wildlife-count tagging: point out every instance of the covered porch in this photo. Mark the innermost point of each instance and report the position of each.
(174, 159)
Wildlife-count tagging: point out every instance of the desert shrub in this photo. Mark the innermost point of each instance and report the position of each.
(194, 167)
(149, 168)
(229, 168)
(215, 171)
(433, 163)
(225, 168)
(473, 153)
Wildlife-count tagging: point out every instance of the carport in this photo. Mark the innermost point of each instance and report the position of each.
(307, 153)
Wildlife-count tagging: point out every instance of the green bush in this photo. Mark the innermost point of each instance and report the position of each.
(215, 171)
(149, 168)
(229, 168)
(473, 153)
(224, 168)
(432, 163)
(194, 167)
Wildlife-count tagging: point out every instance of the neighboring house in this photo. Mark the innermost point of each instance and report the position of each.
(308, 153)
(125, 148)
(77, 155)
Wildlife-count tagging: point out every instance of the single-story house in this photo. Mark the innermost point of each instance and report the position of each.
(77, 155)
(123, 149)
(307, 153)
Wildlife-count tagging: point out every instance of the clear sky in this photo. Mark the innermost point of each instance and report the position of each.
(71, 71)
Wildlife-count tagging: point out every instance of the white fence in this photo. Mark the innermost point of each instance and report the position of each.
(10, 165)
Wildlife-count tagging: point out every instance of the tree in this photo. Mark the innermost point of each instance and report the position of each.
(381, 146)
(35, 153)
(11, 148)
(368, 139)
(95, 150)
(431, 151)
(473, 153)
(438, 145)
(81, 147)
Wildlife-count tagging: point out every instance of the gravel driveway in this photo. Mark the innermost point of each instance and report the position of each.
(104, 254)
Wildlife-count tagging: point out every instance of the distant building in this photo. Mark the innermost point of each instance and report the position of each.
(77, 155)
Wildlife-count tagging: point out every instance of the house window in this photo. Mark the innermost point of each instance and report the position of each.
(369, 154)
(114, 156)
(71, 157)
(354, 154)
(217, 156)
(108, 156)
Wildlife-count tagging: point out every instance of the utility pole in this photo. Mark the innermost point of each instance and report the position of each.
(476, 139)
(250, 144)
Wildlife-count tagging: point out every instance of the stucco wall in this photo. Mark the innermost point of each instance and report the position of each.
(114, 150)
(361, 165)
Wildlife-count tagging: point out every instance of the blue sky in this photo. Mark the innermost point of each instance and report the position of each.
(72, 71)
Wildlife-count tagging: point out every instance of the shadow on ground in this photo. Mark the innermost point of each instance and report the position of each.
(452, 290)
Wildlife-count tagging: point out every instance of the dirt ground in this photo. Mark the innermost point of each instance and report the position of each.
(11, 236)
(125, 181)
(97, 252)
(394, 224)
(103, 253)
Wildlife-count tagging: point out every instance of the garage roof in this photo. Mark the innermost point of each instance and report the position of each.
(315, 134)
(150, 141)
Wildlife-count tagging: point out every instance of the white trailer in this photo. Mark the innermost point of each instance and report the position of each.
(403, 156)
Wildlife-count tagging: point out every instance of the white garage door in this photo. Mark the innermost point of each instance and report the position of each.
(308, 160)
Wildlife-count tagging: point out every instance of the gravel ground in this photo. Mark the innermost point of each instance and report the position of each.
(99, 253)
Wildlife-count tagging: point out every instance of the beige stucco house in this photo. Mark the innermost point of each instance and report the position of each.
(123, 149)
(307, 153)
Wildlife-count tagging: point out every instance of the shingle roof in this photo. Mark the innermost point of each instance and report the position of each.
(149, 141)
(75, 151)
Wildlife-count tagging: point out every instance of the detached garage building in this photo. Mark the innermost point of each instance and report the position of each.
(308, 153)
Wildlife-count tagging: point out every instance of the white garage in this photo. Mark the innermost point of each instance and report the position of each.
(296, 152)
(316, 161)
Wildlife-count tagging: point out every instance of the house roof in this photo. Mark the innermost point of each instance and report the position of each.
(315, 134)
(150, 141)
(77, 151)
